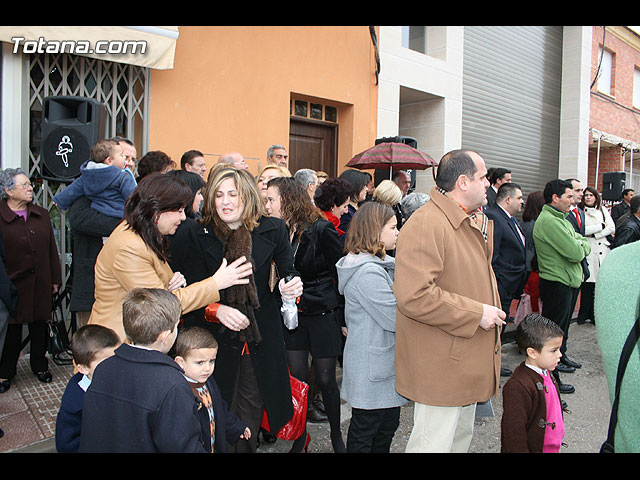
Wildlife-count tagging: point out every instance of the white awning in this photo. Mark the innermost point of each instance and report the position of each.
(145, 46)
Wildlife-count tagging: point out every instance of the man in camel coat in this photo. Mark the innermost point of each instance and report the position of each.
(449, 317)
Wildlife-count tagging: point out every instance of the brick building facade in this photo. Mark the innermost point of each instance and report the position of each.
(614, 119)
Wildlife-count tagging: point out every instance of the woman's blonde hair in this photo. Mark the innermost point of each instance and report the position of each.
(215, 168)
(387, 192)
(365, 228)
(284, 171)
(247, 189)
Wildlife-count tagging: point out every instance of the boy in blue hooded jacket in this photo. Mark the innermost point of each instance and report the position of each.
(103, 179)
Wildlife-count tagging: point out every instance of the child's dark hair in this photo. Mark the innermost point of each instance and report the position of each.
(91, 339)
(192, 338)
(534, 331)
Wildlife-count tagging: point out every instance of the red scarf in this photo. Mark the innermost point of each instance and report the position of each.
(334, 220)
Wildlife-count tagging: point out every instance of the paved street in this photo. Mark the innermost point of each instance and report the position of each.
(586, 425)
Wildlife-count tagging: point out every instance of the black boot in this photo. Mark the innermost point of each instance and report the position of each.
(315, 410)
(268, 437)
(563, 387)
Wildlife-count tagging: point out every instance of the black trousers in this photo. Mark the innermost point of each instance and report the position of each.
(558, 303)
(4, 324)
(371, 431)
(506, 299)
(37, 349)
(247, 405)
(587, 291)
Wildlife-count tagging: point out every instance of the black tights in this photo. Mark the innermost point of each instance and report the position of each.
(325, 377)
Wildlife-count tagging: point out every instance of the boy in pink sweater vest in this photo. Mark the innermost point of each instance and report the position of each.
(532, 419)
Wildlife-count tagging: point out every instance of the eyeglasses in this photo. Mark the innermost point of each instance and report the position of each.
(24, 185)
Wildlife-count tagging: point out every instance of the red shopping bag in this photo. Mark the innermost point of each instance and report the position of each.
(297, 423)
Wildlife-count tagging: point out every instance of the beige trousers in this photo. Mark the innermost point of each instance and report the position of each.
(441, 429)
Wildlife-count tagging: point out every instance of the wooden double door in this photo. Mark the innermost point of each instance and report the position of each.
(313, 145)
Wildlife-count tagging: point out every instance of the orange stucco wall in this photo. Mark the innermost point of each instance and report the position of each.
(230, 88)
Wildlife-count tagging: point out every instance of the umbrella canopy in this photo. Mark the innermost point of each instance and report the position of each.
(397, 156)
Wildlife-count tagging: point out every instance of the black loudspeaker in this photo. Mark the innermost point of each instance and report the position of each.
(384, 174)
(70, 128)
(613, 183)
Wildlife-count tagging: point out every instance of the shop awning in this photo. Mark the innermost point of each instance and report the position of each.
(145, 46)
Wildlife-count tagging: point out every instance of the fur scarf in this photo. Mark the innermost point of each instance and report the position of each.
(237, 243)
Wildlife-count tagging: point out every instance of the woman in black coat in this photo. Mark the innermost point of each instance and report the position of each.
(251, 366)
(317, 248)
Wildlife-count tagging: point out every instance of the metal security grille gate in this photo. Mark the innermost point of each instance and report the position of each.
(511, 99)
(123, 89)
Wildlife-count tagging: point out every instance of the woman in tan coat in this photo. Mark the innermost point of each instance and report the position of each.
(136, 254)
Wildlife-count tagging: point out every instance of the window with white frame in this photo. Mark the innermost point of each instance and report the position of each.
(428, 40)
(605, 75)
(415, 38)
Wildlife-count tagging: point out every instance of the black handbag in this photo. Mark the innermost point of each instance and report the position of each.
(629, 345)
(58, 340)
(58, 336)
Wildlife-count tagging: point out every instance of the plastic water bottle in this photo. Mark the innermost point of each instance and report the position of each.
(289, 309)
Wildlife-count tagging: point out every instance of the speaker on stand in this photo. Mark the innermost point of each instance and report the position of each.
(613, 183)
(70, 128)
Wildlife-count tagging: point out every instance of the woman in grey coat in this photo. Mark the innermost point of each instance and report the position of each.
(365, 278)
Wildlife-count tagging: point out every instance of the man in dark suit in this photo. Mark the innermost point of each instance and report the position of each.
(576, 218)
(509, 254)
(509, 261)
(576, 215)
(619, 209)
(498, 177)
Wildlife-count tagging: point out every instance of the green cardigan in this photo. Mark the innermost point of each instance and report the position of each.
(617, 298)
(559, 248)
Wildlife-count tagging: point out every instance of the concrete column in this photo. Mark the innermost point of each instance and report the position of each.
(14, 115)
(420, 95)
(575, 100)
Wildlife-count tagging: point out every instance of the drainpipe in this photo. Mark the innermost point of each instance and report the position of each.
(598, 162)
(631, 169)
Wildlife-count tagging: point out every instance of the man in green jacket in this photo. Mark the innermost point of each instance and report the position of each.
(560, 251)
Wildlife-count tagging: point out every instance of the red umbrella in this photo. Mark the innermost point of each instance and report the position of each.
(392, 155)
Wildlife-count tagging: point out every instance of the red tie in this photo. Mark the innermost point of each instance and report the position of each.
(575, 210)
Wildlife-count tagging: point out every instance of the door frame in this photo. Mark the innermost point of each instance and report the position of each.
(329, 126)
